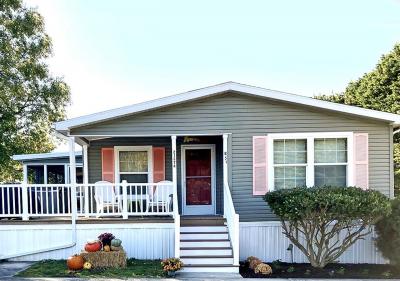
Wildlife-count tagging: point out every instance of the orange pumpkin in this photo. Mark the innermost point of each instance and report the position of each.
(93, 246)
(75, 262)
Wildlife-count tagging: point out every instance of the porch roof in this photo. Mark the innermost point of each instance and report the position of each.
(65, 126)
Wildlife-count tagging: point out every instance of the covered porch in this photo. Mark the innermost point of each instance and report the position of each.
(129, 176)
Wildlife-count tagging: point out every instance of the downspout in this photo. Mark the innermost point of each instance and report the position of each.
(73, 225)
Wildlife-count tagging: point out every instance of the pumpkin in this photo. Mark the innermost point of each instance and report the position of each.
(75, 262)
(87, 265)
(106, 248)
(116, 242)
(93, 246)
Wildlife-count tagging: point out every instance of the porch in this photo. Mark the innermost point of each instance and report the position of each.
(137, 180)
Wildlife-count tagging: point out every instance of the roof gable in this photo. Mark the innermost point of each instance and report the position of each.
(219, 89)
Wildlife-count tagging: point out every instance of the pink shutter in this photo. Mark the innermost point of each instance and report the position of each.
(260, 168)
(158, 164)
(361, 160)
(107, 164)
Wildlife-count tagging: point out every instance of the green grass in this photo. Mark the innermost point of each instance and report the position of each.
(58, 268)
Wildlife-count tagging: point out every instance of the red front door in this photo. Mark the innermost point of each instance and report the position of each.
(198, 181)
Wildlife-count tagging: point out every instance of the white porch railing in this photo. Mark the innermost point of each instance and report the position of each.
(92, 200)
(232, 220)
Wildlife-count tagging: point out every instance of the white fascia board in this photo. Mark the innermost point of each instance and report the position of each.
(218, 89)
(21, 157)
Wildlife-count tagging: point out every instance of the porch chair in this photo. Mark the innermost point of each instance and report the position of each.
(106, 197)
(161, 198)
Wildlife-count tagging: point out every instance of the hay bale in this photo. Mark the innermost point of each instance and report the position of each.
(101, 259)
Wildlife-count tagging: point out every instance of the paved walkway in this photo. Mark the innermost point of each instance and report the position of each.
(9, 269)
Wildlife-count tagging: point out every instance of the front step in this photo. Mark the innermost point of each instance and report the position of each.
(193, 252)
(207, 260)
(205, 245)
(202, 220)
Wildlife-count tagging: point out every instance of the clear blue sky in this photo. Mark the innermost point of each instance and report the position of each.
(114, 53)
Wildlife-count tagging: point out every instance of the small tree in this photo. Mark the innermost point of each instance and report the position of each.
(323, 222)
(388, 230)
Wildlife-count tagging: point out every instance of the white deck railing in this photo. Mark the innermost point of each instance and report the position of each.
(92, 200)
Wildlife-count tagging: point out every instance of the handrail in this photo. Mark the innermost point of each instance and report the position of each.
(232, 220)
(177, 222)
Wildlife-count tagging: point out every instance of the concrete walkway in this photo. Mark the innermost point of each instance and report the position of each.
(9, 269)
(196, 279)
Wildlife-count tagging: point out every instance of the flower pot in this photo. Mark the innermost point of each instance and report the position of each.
(171, 273)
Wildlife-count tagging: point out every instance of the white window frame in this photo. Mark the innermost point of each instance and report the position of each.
(310, 154)
(147, 148)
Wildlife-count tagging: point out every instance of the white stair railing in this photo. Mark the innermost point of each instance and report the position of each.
(232, 220)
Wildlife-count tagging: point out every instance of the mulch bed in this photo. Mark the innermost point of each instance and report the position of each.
(343, 270)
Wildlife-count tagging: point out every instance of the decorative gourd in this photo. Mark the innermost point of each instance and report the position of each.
(116, 242)
(93, 246)
(75, 262)
(87, 265)
(106, 248)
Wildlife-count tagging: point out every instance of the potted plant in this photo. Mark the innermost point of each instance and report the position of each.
(171, 266)
(106, 238)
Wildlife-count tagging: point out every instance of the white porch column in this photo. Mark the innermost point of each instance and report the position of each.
(86, 178)
(25, 206)
(174, 172)
(225, 153)
(177, 219)
(72, 173)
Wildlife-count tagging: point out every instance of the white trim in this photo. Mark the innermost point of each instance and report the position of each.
(310, 154)
(260, 223)
(20, 157)
(147, 148)
(103, 136)
(218, 89)
(201, 208)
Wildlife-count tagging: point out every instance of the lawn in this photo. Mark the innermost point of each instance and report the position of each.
(58, 268)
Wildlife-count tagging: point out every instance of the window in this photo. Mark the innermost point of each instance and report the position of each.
(290, 161)
(134, 164)
(330, 158)
(314, 159)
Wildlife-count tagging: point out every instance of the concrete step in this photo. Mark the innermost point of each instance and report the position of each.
(205, 251)
(210, 260)
(205, 243)
(210, 268)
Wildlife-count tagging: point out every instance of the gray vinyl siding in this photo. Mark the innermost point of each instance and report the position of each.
(244, 117)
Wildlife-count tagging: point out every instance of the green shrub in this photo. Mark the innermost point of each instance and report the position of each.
(323, 222)
(388, 231)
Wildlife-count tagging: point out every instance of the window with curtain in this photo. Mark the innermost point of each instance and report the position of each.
(133, 166)
(290, 161)
(330, 161)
